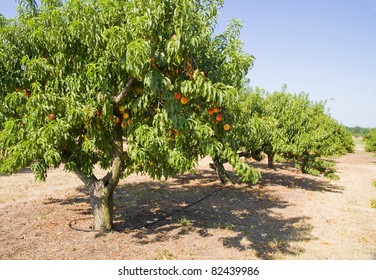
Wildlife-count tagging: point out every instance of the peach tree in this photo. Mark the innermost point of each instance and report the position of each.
(370, 140)
(305, 133)
(290, 127)
(123, 85)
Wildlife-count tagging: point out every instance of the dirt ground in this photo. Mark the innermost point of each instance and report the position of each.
(288, 215)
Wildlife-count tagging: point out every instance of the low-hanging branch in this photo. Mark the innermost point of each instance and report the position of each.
(245, 154)
(124, 91)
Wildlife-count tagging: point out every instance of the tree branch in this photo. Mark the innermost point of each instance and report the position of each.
(87, 180)
(116, 168)
(124, 91)
(221, 171)
(245, 154)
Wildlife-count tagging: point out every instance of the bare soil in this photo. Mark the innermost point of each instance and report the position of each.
(287, 215)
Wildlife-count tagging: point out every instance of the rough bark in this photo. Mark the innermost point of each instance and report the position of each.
(221, 171)
(100, 199)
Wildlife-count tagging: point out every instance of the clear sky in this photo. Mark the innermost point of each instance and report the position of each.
(324, 47)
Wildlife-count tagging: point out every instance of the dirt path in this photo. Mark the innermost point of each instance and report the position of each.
(343, 223)
(287, 216)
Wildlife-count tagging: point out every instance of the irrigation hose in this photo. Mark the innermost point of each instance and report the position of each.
(146, 225)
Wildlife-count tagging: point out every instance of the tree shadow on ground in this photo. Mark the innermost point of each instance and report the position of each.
(151, 211)
(300, 182)
(293, 178)
(83, 200)
(247, 214)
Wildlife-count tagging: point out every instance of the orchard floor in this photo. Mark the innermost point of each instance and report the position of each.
(287, 216)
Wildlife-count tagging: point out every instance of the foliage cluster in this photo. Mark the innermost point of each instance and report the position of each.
(61, 89)
(290, 127)
(370, 140)
(124, 85)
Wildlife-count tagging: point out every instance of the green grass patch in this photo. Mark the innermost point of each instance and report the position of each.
(374, 184)
(165, 255)
(373, 203)
(185, 222)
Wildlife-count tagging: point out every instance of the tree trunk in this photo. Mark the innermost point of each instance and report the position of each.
(101, 203)
(221, 171)
(303, 166)
(270, 159)
(102, 190)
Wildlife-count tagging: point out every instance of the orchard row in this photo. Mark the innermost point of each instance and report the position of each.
(146, 87)
(290, 127)
(370, 140)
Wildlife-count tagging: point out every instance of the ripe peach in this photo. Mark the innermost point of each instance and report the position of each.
(177, 96)
(184, 100)
(219, 117)
(227, 127)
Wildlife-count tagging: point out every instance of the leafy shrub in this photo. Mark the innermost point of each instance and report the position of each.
(370, 140)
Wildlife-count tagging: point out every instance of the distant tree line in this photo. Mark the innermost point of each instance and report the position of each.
(358, 131)
(368, 135)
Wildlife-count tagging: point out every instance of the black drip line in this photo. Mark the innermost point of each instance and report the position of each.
(146, 225)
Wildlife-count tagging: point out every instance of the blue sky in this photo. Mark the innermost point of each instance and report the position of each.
(324, 47)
